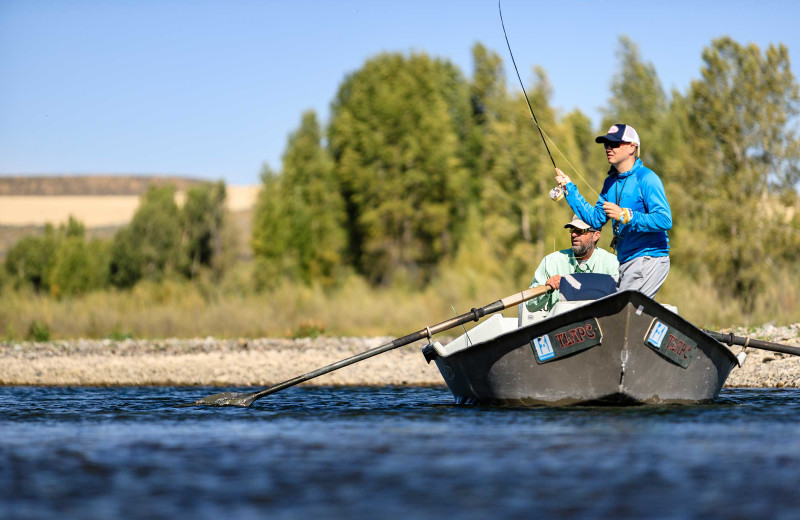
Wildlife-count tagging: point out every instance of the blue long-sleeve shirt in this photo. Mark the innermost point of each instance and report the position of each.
(641, 191)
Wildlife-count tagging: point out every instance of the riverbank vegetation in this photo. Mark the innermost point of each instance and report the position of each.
(425, 194)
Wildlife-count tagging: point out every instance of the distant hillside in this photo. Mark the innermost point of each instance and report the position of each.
(88, 185)
(102, 203)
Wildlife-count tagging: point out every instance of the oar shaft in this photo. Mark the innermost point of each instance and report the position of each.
(731, 339)
(473, 315)
(339, 364)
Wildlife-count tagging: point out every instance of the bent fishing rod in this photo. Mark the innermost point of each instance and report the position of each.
(556, 193)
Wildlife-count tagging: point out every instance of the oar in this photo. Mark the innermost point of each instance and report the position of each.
(246, 399)
(745, 341)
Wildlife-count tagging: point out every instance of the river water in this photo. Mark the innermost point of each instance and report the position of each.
(387, 452)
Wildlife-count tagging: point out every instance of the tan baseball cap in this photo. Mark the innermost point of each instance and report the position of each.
(578, 224)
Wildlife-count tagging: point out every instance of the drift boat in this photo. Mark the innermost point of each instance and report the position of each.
(621, 349)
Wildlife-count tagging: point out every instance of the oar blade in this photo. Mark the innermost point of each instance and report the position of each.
(242, 399)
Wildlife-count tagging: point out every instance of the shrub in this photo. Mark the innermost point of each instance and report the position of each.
(38, 331)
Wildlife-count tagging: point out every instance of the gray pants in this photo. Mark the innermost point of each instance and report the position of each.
(644, 274)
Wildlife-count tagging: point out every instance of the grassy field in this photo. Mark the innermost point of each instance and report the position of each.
(232, 309)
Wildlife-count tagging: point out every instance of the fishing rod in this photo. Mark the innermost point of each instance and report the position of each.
(556, 193)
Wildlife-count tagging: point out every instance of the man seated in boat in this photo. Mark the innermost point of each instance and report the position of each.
(583, 257)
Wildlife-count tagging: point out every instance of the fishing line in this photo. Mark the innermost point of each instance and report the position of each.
(557, 192)
(514, 62)
(469, 341)
(574, 170)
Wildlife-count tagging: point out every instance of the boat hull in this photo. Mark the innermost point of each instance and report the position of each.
(621, 364)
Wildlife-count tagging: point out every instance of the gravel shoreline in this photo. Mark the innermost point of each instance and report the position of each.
(208, 362)
(265, 361)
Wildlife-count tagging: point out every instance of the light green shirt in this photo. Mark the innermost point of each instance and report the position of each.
(564, 262)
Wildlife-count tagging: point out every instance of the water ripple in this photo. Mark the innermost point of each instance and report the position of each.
(391, 452)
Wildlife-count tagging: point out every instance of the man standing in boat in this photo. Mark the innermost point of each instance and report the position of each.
(633, 198)
(583, 257)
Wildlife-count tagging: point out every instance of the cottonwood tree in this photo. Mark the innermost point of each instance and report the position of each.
(203, 222)
(517, 213)
(79, 266)
(298, 231)
(30, 261)
(396, 136)
(150, 246)
(637, 98)
(743, 114)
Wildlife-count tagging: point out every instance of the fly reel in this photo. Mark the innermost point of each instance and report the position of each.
(557, 194)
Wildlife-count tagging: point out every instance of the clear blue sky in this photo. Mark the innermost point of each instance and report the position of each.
(211, 89)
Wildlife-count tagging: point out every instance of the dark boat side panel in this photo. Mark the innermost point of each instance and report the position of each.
(621, 369)
(651, 378)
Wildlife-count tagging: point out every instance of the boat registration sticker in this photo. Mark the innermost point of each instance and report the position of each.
(543, 348)
(670, 343)
(567, 340)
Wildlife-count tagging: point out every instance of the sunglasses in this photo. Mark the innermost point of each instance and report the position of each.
(580, 232)
(613, 145)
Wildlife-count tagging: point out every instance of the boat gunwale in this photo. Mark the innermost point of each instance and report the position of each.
(611, 304)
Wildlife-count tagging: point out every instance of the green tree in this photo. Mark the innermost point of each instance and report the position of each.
(395, 136)
(517, 213)
(148, 247)
(272, 235)
(583, 134)
(488, 87)
(636, 92)
(299, 223)
(742, 116)
(30, 261)
(79, 267)
(638, 99)
(127, 262)
(204, 219)
(487, 97)
(488, 103)
(60, 262)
